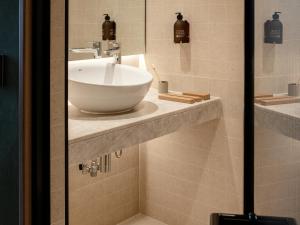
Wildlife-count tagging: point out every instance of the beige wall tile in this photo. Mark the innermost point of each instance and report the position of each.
(108, 198)
(277, 162)
(190, 171)
(57, 173)
(57, 205)
(57, 119)
(57, 114)
(60, 222)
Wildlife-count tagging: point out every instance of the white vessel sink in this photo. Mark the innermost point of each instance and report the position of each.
(100, 87)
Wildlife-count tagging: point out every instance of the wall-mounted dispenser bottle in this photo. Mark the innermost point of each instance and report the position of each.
(181, 30)
(108, 29)
(274, 30)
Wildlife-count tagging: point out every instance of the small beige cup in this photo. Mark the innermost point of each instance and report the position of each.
(294, 89)
(163, 87)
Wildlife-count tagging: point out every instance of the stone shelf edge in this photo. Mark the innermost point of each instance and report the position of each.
(90, 146)
(284, 119)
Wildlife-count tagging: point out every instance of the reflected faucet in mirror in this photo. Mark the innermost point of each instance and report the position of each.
(96, 49)
(113, 50)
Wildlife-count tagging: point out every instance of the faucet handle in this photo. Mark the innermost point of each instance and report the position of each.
(114, 44)
(94, 168)
(96, 44)
(84, 168)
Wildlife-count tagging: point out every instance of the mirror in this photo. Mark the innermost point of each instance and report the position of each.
(86, 19)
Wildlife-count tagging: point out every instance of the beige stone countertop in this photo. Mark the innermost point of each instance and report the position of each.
(84, 126)
(91, 135)
(282, 118)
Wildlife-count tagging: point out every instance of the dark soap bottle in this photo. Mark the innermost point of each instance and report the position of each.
(181, 30)
(274, 30)
(108, 29)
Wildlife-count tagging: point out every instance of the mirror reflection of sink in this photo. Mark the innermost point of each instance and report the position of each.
(105, 88)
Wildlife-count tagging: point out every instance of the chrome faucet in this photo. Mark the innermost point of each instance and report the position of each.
(114, 50)
(96, 49)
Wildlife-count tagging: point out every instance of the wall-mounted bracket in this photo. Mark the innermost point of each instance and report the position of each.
(101, 164)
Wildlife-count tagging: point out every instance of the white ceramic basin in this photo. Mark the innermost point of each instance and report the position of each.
(100, 87)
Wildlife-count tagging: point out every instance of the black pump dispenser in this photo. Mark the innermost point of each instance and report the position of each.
(276, 15)
(181, 30)
(179, 16)
(108, 29)
(274, 30)
(107, 17)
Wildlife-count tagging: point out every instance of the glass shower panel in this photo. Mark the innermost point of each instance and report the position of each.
(277, 108)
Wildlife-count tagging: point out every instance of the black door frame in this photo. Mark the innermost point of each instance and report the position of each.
(40, 32)
(40, 47)
(41, 27)
(249, 48)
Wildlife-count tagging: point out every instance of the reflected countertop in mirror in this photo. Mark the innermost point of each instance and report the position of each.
(283, 118)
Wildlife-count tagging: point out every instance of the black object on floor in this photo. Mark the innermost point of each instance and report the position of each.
(228, 219)
(249, 217)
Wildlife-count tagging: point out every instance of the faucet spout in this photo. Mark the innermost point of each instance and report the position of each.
(114, 51)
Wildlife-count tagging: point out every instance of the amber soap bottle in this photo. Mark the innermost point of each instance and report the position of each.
(181, 30)
(108, 29)
(274, 30)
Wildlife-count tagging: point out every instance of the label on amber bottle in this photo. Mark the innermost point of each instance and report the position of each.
(275, 33)
(111, 31)
(180, 33)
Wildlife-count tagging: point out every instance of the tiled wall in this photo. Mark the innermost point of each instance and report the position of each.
(57, 112)
(108, 198)
(277, 174)
(187, 175)
(277, 65)
(277, 157)
(86, 18)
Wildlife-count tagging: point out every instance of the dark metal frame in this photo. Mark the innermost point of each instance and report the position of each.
(249, 107)
(41, 112)
(21, 104)
(41, 204)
